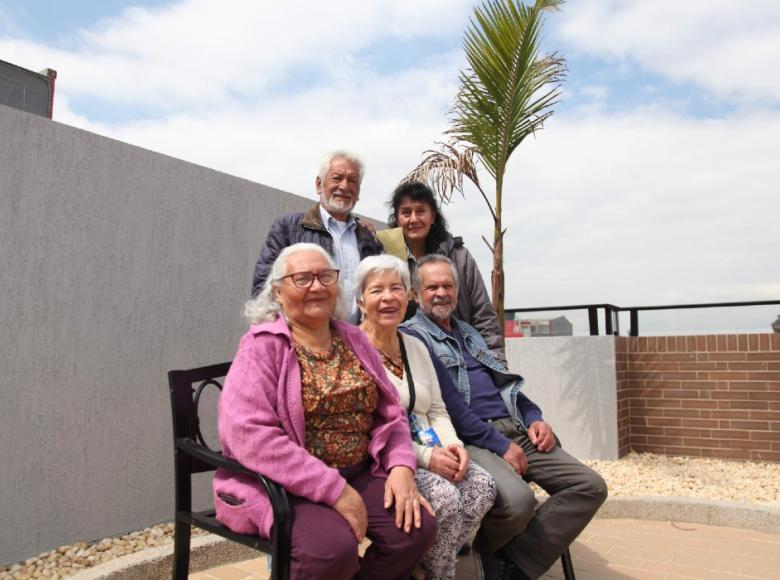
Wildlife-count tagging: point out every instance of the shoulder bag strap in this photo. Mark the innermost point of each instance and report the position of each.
(408, 370)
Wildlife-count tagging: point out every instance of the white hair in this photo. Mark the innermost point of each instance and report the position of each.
(375, 265)
(347, 156)
(265, 308)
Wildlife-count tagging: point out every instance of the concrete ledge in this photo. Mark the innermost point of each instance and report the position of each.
(211, 551)
(695, 511)
(157, 563)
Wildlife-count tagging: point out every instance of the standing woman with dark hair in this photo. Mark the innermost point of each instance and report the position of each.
(415, 210)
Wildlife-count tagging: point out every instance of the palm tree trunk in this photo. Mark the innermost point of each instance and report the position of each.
(497, 275)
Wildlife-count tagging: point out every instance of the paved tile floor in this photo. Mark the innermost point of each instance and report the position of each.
(613, 549)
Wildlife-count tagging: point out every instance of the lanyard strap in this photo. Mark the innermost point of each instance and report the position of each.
(409, 379)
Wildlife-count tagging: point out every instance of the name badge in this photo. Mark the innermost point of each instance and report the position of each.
(426, 437)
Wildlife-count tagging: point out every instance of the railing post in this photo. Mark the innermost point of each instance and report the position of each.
(593, 320)
(608, 320)
(633, 330)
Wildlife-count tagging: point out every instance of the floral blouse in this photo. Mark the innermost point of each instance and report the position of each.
(339, 400)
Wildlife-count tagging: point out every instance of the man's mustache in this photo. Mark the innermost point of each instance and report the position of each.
(441, 301)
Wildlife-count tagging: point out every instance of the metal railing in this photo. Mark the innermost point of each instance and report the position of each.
(611, 320)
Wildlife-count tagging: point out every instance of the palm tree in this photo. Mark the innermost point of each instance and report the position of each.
(506, 93)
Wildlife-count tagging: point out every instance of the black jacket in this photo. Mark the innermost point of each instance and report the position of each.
(307, 227)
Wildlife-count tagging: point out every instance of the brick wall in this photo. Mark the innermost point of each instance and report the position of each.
(623, 396)
(708, 396)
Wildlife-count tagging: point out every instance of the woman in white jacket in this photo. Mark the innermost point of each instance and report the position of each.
(460, 491)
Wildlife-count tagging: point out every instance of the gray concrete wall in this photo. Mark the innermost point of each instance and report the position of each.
(118, 264)
(573, 380)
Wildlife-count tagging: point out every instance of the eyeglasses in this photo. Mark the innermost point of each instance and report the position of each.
(305, 279)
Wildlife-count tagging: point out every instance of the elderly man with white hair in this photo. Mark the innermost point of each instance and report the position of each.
(329, 224)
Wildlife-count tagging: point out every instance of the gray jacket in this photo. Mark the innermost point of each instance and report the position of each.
(300, 227)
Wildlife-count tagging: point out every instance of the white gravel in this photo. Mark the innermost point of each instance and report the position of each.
(710, 479)
(634, 475)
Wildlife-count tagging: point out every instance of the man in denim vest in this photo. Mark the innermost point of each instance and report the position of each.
(506, 435)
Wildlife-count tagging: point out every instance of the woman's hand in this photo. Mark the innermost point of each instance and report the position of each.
(401, 490)
(444, 462)
(351, 507)
(463, 461)
(449, 462)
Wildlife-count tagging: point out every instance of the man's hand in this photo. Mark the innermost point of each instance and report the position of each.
(542, 436)
(515, 456)
(351, 507)
(370, 227)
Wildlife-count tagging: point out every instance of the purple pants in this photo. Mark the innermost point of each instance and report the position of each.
(323, 545)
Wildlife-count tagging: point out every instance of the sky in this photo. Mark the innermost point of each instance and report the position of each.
(655, 181)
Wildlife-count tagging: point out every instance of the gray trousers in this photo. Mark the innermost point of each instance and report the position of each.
(535, 539)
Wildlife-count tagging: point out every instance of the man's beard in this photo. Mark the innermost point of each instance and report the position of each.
(439, 311)
(338, 206)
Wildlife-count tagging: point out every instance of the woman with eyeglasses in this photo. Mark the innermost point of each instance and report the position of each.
(307, 403)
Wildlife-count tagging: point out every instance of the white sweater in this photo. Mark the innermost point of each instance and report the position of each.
(428, 407)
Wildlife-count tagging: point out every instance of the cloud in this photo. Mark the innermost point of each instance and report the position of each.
(201, 53)
(279, 140)
(641, 208)
(645, 206)
(729, 48)
(597, 92)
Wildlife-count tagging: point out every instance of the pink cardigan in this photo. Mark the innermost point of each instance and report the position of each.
(261, 425)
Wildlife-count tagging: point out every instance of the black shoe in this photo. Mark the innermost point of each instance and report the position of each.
(487, 561)
(497, 566)
(508, 570)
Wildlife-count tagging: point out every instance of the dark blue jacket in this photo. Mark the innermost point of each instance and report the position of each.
(470, 427)
(306, 227)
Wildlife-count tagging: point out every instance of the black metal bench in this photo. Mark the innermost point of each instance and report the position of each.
(192, 455)
(566, 564)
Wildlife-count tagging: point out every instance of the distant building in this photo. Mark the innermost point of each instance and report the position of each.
(512, 329)
(545, 327)
(27, 90)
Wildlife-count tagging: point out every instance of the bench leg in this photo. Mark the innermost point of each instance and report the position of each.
(181, 551)
(566, 564)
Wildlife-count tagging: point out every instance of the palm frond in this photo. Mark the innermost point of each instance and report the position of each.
(508, 89)
(444, 170)
(506, 93)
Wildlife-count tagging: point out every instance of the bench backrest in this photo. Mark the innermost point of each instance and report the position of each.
(186, 388)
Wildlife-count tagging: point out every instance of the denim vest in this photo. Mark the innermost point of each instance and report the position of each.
(447, 348)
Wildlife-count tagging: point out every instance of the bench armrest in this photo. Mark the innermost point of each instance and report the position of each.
(280, 504)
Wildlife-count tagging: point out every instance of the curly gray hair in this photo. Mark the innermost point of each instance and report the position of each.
(265, 308)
